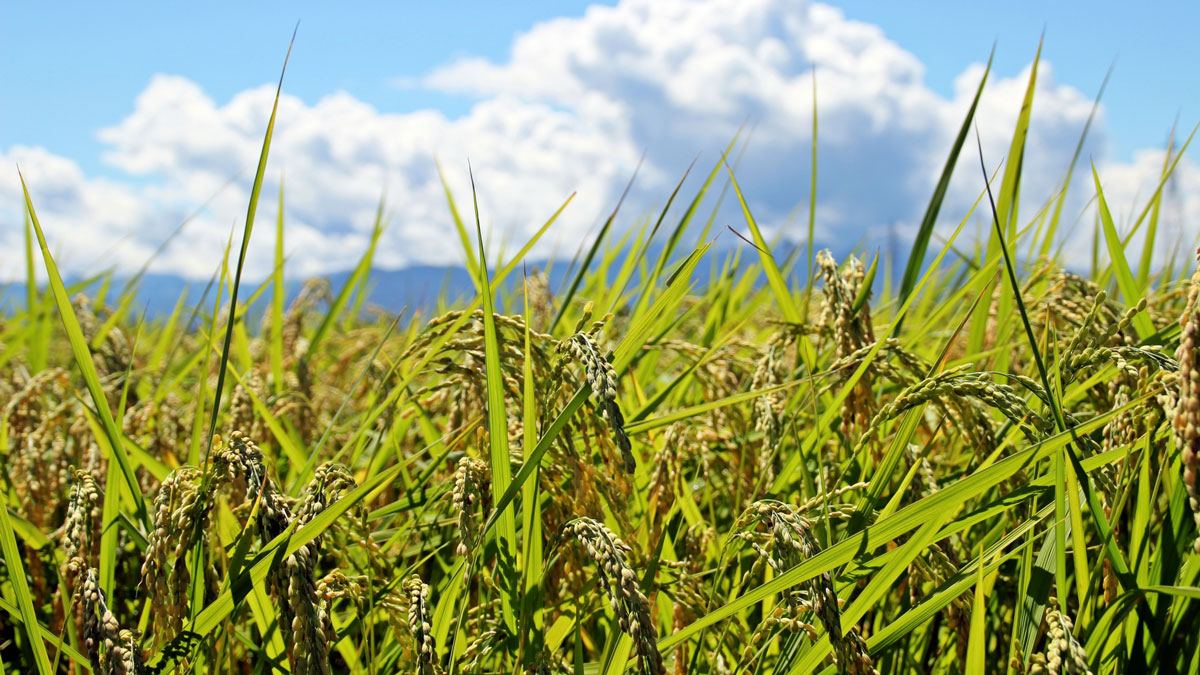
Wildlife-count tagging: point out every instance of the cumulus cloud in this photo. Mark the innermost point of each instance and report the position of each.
(570, 111)
(337, 158)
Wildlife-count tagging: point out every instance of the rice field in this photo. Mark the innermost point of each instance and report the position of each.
(682, 459)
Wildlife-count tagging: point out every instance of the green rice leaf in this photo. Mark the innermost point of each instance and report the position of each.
(16, 576)
(497, 429)
(83, 360)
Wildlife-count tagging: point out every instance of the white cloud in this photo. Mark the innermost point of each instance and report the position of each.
(337, 156)
(571, 110)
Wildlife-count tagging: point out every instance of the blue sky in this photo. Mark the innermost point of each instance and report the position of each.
(105, 53)
(81, 67)
(569, 110)
(1151, 47)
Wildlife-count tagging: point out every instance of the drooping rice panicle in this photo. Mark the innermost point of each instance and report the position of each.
(624, 591)
(582, 347)
(420, 624)
(1186, 420)
(467, 497)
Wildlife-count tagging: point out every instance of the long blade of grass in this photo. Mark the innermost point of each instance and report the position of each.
(977, 642)
(83, 360)
(1148, 245)
(1131, 291)
(20, 588)
(1006, 209)
(916, 257)
(532, 611)
(652, 281)
(501, 462)
(783, 296)
(278, 296)
(30, 272)
(467, 246)
(1110, 545)
(251, 211)
(565, 301)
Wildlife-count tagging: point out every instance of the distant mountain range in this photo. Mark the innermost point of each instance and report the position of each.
(418, 287)
(412, 287)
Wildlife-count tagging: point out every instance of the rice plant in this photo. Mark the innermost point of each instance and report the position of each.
(991, 467)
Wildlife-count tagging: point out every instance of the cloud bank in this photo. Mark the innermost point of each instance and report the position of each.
(571, 111)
